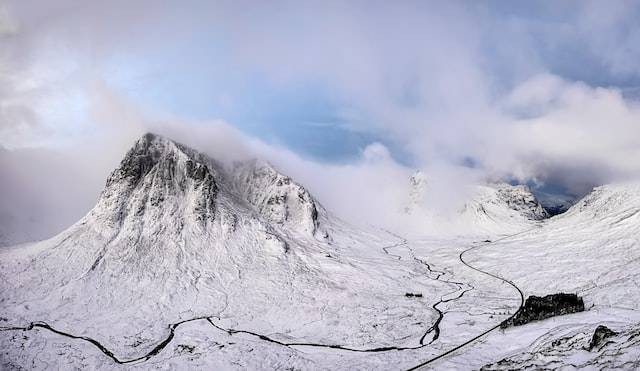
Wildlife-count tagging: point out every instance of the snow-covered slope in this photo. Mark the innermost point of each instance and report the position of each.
(187, 263)
(276, 197)
(487, 209)
(176, 236)
(593, 250)
(611, 203)
(15, 230)
(501, 208)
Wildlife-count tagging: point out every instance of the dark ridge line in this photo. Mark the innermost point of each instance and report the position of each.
(482, 334)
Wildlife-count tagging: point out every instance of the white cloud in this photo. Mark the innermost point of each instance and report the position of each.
(447, 81)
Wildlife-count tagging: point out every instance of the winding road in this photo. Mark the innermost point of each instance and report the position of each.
(484, 333)
(434, 328)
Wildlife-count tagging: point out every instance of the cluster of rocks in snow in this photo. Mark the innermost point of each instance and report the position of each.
(599, 349)
(537, 308)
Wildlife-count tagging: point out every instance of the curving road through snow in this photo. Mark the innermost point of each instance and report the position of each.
(434, 328)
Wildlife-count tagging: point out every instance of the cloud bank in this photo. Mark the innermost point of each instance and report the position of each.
(469, 92)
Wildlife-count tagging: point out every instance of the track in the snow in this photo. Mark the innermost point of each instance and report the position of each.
(460, 346)
(172, 327)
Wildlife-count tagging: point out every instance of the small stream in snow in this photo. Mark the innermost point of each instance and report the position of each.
(434, 328)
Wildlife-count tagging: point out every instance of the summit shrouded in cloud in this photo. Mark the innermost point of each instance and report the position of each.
(240, 185)
(541, 93)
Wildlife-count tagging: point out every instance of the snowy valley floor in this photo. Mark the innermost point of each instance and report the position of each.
(470, 302)
(368, 301)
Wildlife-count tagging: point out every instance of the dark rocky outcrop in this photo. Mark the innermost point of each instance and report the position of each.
(600, 335)
(413, 295)
(538, 308)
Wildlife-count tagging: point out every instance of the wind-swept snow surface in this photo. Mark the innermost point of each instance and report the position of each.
(188, 263)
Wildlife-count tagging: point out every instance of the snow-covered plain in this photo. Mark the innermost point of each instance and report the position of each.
(185, 263)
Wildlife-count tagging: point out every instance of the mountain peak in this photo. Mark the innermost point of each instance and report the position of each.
(155, 170)
(162, 179)
(151, 141)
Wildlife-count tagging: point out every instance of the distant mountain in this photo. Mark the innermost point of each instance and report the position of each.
(502, 208)
(592, 250)
(489, 208)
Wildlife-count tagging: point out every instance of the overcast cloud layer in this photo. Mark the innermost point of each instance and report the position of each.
(466, 91)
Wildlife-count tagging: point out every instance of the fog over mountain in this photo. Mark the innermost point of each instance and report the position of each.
(486, 90)
(335, 185)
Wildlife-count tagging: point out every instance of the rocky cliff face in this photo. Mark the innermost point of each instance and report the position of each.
(158, 179)
(489, 208)
(276, 197)
(519, 198)
(502, 208)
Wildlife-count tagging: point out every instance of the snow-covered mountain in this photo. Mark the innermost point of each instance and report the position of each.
(276, 197)
(176, 235)
(189, 263)
(169, 233)
(490, 208)
(592, 250)
(501, 208)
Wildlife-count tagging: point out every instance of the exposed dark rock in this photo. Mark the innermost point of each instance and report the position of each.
(205, 204)
(184, 348)
(521, 199)
(599, 335)
(538, 308)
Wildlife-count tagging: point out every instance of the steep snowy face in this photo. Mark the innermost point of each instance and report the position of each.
(501, 208)
(612, 203)
(520, 199)
(157, 180)
(276, 197)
